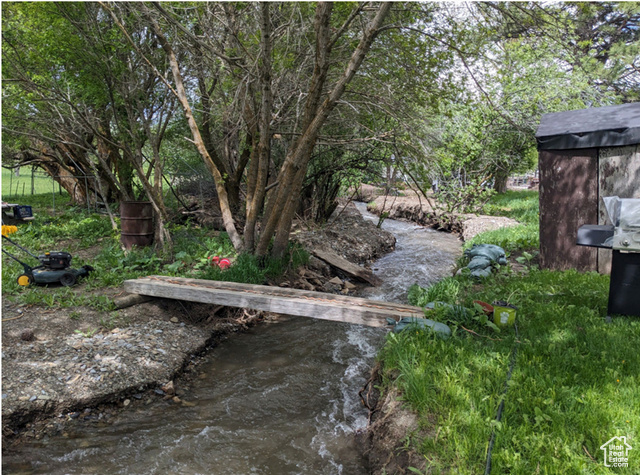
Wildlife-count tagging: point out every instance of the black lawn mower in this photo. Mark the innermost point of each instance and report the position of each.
(54, 268)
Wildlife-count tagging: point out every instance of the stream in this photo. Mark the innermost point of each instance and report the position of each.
(281, 398)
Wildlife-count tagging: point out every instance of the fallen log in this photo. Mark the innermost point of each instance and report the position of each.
(130, 300)
(347, 267)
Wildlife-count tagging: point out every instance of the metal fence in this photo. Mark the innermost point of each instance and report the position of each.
(194, 185)
(16, 185)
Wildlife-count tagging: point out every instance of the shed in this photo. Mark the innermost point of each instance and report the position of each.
(584, 155)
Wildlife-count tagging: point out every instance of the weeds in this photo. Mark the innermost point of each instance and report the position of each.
(74, 230)
(114, 320)
(253, 270)
(75, 315)
(87, 333)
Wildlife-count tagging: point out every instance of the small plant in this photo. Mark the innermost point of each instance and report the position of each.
(110, 322)
(75, 315)
(526, 258)
(87, 333)
(100, 302)
(384, 215)
(447, 290)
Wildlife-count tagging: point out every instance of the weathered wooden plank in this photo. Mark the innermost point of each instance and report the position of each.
(347, 267)
(274, 299)
(285, 291)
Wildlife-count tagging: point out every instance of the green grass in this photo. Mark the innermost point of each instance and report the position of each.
(74, 230)
(575, 379)
(517, 238)
(574, 385)
(521, 206)
(20, 186)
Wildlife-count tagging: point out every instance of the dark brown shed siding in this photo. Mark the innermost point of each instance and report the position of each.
(568, 199)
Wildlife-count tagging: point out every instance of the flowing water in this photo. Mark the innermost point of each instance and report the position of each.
(279, 399)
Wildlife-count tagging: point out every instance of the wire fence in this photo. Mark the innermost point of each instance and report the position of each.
(16, 185)
(178, 188)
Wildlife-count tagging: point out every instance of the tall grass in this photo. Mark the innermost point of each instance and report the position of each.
(91, 240)
(574, 385)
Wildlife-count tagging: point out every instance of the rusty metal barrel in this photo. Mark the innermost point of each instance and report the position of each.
(136, 223)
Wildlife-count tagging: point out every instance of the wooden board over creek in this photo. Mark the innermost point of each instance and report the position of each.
(286, 301)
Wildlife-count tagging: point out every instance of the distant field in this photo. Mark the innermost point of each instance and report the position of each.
(18, 186)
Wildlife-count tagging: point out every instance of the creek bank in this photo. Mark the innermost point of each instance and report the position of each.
(393, 431)
(57, 374)
(67, 366)
(416, 209)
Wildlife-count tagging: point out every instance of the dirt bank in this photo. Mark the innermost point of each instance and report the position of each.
(65, 362)
(418, 210)
(64, 366)
(393, 431)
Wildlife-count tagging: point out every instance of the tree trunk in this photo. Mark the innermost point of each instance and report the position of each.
(181, 93)
(291, 177)
(500, 181)
(261, 170)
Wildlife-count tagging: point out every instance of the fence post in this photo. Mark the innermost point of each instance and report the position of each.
(33, 169)
(53, 194)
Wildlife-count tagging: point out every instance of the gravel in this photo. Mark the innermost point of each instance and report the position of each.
(77, 370)
(69, 366)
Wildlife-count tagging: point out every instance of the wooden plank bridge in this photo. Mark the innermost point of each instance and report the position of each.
(304, 303)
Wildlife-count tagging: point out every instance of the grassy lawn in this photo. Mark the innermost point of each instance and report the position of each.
(573, 387)
(521, 206)
(15, 187)
(91, 240)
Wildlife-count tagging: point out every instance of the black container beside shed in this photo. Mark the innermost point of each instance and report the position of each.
(584, 155)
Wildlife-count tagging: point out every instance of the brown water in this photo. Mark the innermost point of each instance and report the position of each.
(279, 399)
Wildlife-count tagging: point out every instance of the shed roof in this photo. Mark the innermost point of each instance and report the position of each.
(611, 126)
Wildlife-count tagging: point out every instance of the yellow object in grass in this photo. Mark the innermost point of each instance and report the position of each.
(6, 230)
(504, 316)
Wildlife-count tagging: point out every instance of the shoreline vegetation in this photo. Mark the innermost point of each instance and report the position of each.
(565, 378)
(572, 386)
